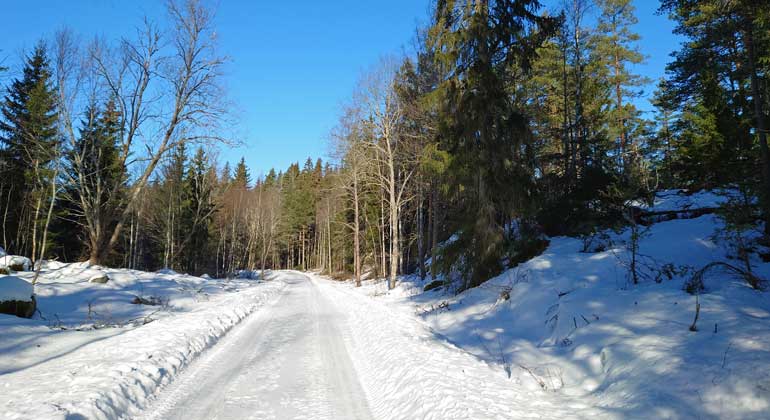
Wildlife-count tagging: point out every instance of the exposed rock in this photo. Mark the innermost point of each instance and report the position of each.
(15, 263)
(16, 297)
(150, 301)
(433, 285)
(99, 278)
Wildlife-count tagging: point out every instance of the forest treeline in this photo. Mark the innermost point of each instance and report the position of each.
(507, 123)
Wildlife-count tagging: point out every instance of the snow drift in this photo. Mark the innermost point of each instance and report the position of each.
(93, 354)
(573, 323)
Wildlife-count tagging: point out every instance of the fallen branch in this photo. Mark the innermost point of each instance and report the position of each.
(696, 284)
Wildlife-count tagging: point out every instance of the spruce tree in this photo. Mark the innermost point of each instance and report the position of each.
(242, 178)
(486, 134)
(226, 176)
(29, 139)
(197, 213)
(97, 176)
(169, 204)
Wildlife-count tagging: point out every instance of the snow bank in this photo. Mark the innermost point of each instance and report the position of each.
(408, 372)
(671, 200)
(104, 357)
(14, 288)
(8, 261)
(2, 252)
(574, 323)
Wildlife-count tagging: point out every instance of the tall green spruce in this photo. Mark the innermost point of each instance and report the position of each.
(169, 207)
(241, 177)
(29, 139)
(197, 213)
(488, 136)
(97, 179)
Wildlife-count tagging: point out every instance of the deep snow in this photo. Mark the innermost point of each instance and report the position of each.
(15, 288)
(577, 327)
(92, 353)
(14, 260)
(410, 372)
(564, 335)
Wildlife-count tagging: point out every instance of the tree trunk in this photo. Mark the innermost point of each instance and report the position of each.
(434, 233)
(759, 117)
(394, 240)
(356, 232)
(383, 265)
(420, 233)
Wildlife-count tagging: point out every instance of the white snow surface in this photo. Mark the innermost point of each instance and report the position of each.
(574, 339)
(576, 326)
(15, 288)
(411, 372)
(670, 200)
(95, 355)
(288, 361)
(9, 260)
(322, 352)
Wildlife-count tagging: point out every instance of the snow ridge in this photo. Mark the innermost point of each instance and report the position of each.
(115, 377)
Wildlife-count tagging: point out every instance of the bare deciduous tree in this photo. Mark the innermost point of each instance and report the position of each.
(166, 87)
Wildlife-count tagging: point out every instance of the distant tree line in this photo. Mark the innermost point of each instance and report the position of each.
(507, 123)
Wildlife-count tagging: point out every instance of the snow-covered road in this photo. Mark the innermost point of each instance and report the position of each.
(287, 361)
(322, 351)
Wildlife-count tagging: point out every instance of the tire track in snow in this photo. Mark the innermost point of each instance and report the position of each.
(288, 361)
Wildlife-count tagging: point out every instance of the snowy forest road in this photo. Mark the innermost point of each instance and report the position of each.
(287, 361)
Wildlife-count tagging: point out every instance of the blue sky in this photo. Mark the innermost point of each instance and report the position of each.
(293, 62)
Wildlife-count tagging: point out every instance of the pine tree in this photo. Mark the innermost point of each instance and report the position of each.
(617, 43)
(722, 70)
(700, 148)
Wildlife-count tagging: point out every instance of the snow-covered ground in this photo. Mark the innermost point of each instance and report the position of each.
(288, 361)
(575, 326)
(325, 352)
(564, 335)
(91, 352)
(410, 372)
(15, 288)
(679, 200)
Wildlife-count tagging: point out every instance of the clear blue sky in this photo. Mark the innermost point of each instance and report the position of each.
(293, 62)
